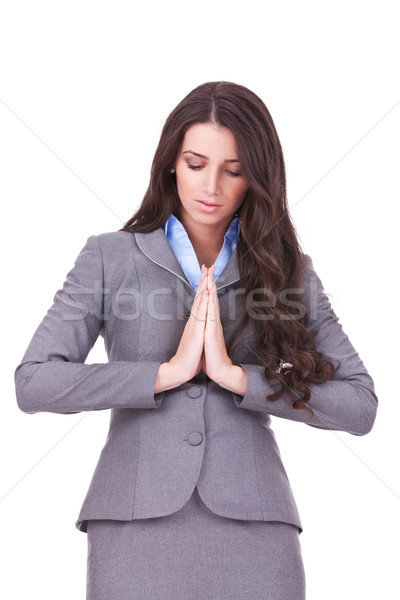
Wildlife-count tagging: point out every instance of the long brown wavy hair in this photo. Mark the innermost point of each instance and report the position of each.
(270, 259)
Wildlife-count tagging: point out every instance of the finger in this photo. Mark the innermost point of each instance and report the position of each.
(214, 293)
(199, 306)
(212, 313)
(201, 288)
(203, 270)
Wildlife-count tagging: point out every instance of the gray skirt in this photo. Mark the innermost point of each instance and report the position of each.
(194, 554)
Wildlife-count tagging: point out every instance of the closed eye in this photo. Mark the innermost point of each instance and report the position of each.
(199, 167)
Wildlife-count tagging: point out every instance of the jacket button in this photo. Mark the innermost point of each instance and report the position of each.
(194, 391)
(195, 438)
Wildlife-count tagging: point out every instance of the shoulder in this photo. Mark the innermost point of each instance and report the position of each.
(112, 245)
(114, 239)
(118, 249)
(109, 249)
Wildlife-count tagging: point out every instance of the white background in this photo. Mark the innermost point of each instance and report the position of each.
(84, 90)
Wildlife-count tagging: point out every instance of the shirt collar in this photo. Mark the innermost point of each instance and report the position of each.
(174, 227)
(183, 249)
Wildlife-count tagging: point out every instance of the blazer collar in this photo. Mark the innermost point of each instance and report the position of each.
(156, 247)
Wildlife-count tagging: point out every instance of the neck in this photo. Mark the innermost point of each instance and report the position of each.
(207, 240)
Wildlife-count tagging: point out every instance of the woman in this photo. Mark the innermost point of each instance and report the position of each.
(213, 319)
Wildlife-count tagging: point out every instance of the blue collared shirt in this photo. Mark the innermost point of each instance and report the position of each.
(185, 254)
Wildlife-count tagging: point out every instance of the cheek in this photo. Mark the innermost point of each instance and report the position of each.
(181, 182)
(186, 183)
(184, 187)
(239, 190)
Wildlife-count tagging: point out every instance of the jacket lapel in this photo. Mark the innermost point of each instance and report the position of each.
(156, 247)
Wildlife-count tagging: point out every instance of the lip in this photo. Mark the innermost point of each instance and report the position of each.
(207, 207)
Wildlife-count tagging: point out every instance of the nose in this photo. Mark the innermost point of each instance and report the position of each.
(211, 183)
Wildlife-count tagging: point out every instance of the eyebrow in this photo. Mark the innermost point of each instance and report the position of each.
(230, 160)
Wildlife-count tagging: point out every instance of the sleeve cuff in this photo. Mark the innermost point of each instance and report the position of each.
(257, 390)
(144, 385)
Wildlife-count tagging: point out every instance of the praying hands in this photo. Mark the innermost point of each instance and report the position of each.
(202, 345)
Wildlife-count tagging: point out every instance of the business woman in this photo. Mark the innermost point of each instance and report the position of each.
(213, 320)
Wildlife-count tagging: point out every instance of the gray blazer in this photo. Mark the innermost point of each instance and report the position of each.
(130, 289)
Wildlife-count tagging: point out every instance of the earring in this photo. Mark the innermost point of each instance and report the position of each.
(172, 170)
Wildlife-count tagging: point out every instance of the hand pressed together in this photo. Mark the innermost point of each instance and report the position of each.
(202, 345)
(215, 361)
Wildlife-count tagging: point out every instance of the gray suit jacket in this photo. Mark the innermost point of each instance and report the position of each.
(130, 289)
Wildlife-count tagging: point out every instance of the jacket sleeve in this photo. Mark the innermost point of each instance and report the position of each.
(345, 403)
(52, 375)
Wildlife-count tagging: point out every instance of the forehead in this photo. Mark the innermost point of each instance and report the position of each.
(210, 140)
